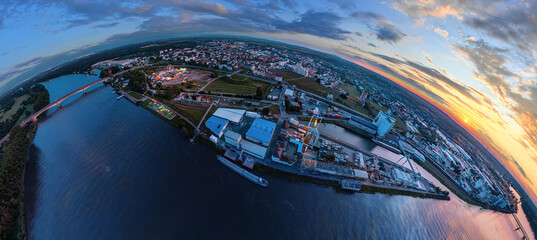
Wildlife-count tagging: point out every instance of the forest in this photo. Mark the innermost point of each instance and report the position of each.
(13, 157)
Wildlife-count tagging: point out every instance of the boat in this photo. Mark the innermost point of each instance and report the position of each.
(351, 185)
(120, 97)
(387, 146)
(248, 175)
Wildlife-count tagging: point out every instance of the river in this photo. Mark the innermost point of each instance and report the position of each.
(101, 168)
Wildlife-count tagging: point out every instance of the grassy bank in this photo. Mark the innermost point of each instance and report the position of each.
(177, 121)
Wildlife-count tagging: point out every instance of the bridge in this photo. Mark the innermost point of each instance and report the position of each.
(58, 102)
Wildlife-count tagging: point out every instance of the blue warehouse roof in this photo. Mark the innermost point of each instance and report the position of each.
(261, 130)
(216, 125)
(364, 122)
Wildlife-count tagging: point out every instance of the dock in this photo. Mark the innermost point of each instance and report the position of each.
(248, 175)
(352, 185)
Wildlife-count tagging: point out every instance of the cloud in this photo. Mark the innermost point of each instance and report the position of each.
(106, 25)
(515, 24)
(441, 32)
(511, 23)
(384, 29)
(322, 24)
(438, 9)
(387, 32)
(490, 63)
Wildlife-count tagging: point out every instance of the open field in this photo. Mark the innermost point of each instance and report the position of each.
(350, 89)
(24, 116)
(238, 77)
(246, 87)
(136, 95)
(287, 74)
(352, 103)
(310, 85)
(193, 112)
(15, 108)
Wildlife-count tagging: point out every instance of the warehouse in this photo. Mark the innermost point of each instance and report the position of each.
(233, 115)
(216, 125)
(232, 138)
(261, 131)
(253, 149)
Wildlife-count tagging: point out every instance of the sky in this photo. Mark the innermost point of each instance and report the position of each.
(476, 60)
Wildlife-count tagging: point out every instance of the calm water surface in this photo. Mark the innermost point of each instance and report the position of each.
(102, 168)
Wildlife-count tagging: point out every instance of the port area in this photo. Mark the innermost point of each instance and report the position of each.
(376, 175)
(293, 150)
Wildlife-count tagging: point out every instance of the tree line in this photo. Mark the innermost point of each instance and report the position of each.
(12, 166)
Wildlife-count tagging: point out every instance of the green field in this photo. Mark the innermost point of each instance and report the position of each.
(352, 103)
(246, 87)
(15, 108)
(286, 74)
(238, 77)
(350, 89)
(310, 85)
(136, 95)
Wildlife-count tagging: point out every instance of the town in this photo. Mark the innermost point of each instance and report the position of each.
(296, 113)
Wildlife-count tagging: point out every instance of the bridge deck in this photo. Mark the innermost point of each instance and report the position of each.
(34, 116)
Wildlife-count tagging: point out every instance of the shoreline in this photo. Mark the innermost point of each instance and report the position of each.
(331, 181)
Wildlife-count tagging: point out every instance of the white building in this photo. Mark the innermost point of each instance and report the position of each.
(232, 138)
(384, 122)
(232, 115)
(253, 149)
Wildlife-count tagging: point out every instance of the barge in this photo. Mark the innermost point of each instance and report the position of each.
(351, 185)
(248, 175)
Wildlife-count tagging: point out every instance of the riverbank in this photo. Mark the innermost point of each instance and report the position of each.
(323, 180)
(12, 168)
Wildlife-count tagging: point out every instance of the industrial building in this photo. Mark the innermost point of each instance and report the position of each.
(253, 149)
(384, 122)
(362, 124)
(232, 138)
(233, 115)
(216, 125)
(261, 131)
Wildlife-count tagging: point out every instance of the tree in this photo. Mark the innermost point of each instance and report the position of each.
(104, 73)
(265, 111)
(259, 92)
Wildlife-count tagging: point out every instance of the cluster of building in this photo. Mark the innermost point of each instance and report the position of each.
(380, 127)
(261, 60)
(301, 146)
(120, 63)
(242, 132)
(476, 179)
(247, 135)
